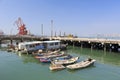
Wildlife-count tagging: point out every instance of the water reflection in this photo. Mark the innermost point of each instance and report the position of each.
(99, 55)
(27, 58)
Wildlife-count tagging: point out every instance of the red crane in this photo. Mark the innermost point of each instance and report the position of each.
(21, 27)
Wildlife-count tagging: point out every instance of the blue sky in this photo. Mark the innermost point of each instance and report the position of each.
(78, 17)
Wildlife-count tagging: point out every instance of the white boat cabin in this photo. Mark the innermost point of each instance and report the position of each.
(52, 45)
(31, 46)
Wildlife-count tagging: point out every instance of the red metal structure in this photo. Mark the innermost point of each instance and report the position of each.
(21, 27)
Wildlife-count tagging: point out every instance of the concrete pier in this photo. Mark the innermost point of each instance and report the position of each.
(93, 43)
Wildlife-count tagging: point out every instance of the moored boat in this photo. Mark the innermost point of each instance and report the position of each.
(81, 64)
(51, 56)
(45, 60)
(63, 57)
(67, 61)
(56, 67)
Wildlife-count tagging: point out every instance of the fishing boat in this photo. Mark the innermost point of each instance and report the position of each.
(65, 57)
(81, 64)
(67, 61)
(46, 54)
(56, 67)
(51, 56)
(45, 60)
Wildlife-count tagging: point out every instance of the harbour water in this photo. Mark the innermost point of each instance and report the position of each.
(14, 66)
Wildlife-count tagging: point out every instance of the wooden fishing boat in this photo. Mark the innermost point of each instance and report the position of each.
(81, 64)
(45, 60)
(63, 57)
(47, 54)
(56, 67)
(51, 56)
(43, 54)
(67, 61)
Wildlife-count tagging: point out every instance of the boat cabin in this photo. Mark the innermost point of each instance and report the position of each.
(31, 46)
(52, 45)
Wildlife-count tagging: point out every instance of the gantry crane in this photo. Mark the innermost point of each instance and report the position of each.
(21, 27)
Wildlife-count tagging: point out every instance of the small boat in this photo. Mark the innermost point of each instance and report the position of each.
(46, 53)
(50, 56)
(67, 61)
(42, 54)
(56, 67)
(81, 64)
(45, 60)
(63, 57)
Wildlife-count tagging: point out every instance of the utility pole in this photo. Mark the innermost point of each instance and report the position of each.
(51, 28)
(42, 30)
(55, 34)
(60, 33)
(64, 34)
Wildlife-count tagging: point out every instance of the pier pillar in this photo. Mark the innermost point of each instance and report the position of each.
(11, 41)
(0, 43)
(73, 44)
(110, 47)
(21, 40)
(91, 46)
(104, 47)
(81, 45)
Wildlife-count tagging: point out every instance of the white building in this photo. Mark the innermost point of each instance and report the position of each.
(50, 45)
(31, 46)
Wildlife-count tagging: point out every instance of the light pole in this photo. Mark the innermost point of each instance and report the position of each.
(42, 30)
(51, 29)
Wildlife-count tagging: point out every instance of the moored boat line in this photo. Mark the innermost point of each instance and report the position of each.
(50, 53)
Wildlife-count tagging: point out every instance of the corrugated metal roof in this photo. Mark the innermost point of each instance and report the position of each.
(51, 41)
(33, 42)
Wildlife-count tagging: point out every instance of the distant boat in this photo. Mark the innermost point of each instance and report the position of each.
(81, 64)
(67, 61)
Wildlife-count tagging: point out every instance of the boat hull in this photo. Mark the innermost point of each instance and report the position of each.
(80, 65)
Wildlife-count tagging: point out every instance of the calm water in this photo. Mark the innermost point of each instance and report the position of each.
(14, 66)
